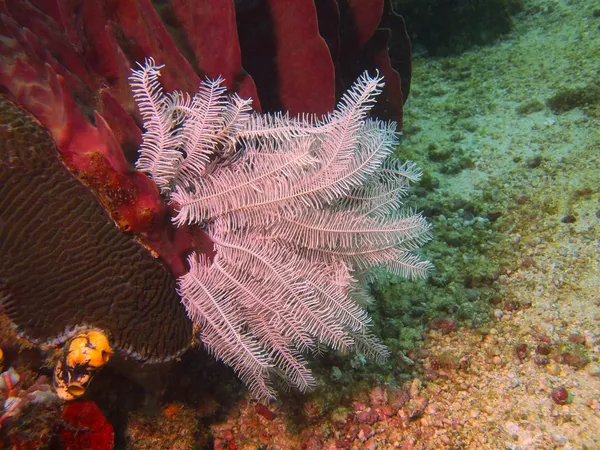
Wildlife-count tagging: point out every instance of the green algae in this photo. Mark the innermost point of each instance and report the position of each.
(569, 98)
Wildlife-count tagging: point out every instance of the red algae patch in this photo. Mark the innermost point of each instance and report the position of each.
(85, 427)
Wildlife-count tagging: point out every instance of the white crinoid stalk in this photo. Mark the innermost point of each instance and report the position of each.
(296, 209)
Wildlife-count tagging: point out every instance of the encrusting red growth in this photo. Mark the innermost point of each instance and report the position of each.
(85, 427)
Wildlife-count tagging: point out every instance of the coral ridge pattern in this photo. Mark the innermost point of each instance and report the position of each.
(298, 209)
(65, 266)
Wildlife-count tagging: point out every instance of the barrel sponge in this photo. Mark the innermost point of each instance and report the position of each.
(65, 266)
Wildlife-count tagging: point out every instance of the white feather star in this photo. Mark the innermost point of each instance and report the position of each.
(294, 206)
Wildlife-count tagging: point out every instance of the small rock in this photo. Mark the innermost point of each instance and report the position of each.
(521, 350)
(553, 369)
(378, 396)
(359, 406)
(369, 417)
(397, 399)
(371, 444)
(594, 404)
(542, 349)
(590, 339)
(313, 443)
(577, 338)
(593, 369)
(415, 387)
(339, 417)
(512, 428)
(416, 407)
(366, 431)
(560, 395)
(264, 411)
(573, 360)
(313, 411)
(444, 325)
(559, 439)
(384, 412)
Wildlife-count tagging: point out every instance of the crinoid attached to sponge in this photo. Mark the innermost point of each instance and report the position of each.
(66, 269)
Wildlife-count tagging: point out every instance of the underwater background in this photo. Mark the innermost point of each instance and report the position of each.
(497, 348)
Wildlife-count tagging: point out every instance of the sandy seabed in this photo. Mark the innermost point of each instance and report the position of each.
(505, 392)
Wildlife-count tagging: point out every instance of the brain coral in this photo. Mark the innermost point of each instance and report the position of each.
(65, 264)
